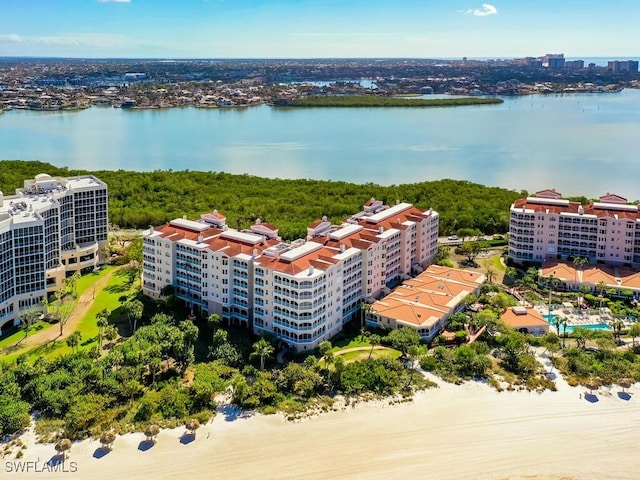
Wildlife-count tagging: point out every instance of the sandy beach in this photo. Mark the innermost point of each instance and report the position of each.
(452, 432)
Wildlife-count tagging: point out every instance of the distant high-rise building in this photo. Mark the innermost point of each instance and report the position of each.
(554, 60)
(630, 66)
(613, 66)
(624, 66)
(574, 64)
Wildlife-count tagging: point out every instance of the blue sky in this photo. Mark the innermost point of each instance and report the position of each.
(319, 28)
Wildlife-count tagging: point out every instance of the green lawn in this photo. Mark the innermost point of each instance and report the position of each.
(364, 354)
(19, 334)
(88, 280)
(358, 341)
(108, 298)
(497, 264)
(82, 285)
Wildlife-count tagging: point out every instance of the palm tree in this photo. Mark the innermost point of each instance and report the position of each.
(262, 350)
(617, 325)
(72, 282)
(563, 322)
(583, 289)
(525, 283)
(110, 333)
(552, 283)
(107, 439)
(490, 271)
(73, 341)
(151, 432)
(601, 286)
(374, 340)
(580, 262)
(192, 425)
(134, 309)
(510, 272)
(28, 319)
(634, 331)
(63, 446)
(102, 319)
(365, 308)
(413, 353)
(329, 358)
(213, 321)
(325, 350)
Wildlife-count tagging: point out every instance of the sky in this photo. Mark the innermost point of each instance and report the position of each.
(319, 28)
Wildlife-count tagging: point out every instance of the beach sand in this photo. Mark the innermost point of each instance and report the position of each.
(452, 432)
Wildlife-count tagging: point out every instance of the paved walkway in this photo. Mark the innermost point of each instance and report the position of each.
(82, 307)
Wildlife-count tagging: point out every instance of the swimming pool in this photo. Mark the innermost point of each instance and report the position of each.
(590, 326)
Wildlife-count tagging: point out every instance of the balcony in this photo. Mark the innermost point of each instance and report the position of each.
(296, 328)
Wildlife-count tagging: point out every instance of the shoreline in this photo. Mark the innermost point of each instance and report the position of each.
(466, 431)
(268, 103)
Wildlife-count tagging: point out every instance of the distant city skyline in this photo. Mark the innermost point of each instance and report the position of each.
(318, 28)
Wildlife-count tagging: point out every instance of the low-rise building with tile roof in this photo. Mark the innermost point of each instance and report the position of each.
(426, 302)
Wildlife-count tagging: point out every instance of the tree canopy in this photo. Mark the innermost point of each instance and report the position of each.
(140, 199)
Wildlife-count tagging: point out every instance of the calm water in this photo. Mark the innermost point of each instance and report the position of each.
(579, 144)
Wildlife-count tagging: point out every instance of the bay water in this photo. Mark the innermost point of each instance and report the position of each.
(580, 144)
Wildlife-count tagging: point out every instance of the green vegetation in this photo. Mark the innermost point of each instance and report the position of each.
(379, 101)
(110, 299)
(595, 361)
(155, 376)
(140, 199)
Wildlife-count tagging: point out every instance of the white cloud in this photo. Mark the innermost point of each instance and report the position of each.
(74, 39)
(10, 38)
(487, 9)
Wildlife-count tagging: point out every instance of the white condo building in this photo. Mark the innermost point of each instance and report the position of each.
(51, 228)
(548, 227)
(303, 291)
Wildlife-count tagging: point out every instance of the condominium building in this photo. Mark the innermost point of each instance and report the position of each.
(303, 291)
(51, 228)
(624, 66)
(547, 227)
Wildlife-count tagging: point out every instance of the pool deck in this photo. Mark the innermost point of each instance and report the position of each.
(576, 319)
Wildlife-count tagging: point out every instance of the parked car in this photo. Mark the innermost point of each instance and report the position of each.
(453, 237)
